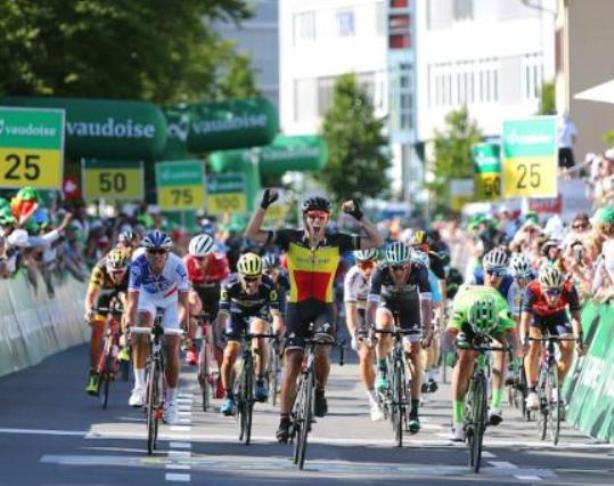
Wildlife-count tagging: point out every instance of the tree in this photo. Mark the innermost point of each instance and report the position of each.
(453, 154)
(357, 161)
(239, 80)
(145, 49)
(547, 99)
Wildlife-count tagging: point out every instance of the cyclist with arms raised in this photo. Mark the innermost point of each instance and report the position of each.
(403, 288)
(158, 280)
(544, 308)
(247, 300)
(313, 257)
(109, 280)
(477, 311)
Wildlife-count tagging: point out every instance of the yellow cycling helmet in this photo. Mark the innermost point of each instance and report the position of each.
(250, 265)
(117, 259)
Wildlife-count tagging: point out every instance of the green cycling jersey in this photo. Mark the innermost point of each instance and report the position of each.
(464, 299)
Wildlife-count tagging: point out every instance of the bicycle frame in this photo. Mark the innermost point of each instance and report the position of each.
(108, 363)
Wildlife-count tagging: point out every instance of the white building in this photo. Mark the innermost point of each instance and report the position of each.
(259, 37)
(490, 55)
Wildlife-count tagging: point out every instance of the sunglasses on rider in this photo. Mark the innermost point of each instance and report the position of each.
(366, 265)
(497, 272)
(553, 292)
(200, 258)
(251, 279)
(156, 251)
(315, 214)
(396, 268)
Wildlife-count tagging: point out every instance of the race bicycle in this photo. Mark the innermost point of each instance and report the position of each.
(244, 386)
(109, 364)
(154, 376)
(302, 416)
(551, 409)
(476, 409)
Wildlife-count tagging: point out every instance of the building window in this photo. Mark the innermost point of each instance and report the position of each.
(345, 23)
(533, 76)
(304, 27)
(463, 10)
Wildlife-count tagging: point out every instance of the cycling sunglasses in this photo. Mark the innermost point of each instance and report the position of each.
(200, 258)
(251, 279)
(553, 292)
(315, 214)
(497, 272)
(396, 268)
(156, 251)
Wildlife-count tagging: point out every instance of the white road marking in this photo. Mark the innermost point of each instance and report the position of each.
(181, 478)
(76, 433)
(180, 445)
(488, 455)
(178, 467)
(179, 454)
(503, 464)
(527, 477)
(180, 428)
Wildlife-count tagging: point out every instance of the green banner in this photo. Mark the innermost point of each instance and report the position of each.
(106, 129)
(226, 194)
(486, 158)
(589, 388)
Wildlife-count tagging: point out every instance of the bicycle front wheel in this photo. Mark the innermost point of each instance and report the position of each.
(248, 404)
(398, 410)
(152, 405)
(203, 374)
(554, 404)
(297, 418)
(479, 422)
(307, 412)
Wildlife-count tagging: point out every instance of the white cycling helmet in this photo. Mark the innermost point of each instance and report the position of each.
(520, 265)
(365, 255)
(201, 245)
(397, 253)
(495, 258)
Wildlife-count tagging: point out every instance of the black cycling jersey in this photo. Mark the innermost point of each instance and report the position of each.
(234, 299)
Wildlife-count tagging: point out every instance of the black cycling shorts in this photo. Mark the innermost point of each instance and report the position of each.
(299, 317)
(557, 324)
(104, 299)
(239, 322)
(409, 315)
(209, 296)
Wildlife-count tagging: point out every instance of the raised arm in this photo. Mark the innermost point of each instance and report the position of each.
(254, 230)
(373, 239)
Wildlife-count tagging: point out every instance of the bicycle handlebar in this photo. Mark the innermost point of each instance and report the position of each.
(108, 310)
(396, 332)
(551, 338)
(149, 330)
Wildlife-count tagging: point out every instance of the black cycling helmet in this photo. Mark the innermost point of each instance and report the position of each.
(316, 203)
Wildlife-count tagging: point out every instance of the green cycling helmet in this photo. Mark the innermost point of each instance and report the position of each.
(483, 315)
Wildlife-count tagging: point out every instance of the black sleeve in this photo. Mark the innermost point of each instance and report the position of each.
(346, 242)
(437, 266)
(283, 237)
(423, 280)
(376, 282)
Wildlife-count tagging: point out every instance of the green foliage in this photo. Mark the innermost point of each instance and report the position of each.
(239, 81)
(608, 139)
(145, 49)
(547, 102)
(357, 157)
(453, 153)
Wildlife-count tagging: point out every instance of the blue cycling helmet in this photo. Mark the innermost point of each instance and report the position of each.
(271, 261)
(157, 239)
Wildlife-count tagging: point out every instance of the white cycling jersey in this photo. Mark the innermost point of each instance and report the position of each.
(356, 287)
(159, 291)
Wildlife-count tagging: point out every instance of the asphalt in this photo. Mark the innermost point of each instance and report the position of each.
(52, 433)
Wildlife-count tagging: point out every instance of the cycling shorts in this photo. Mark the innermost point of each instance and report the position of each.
(150, 304)
(557, 324)
(300, 316)
(209, 296)
(238, 323)
(104, 299)
(409, 320)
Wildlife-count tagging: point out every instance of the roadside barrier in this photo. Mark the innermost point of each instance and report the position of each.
(34, 326)
(589, 388)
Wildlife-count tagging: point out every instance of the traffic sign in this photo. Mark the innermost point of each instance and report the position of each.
(31, 148)
(226, 194)
(529, 155)
(487, 166)
(181, 185)
(113, 180)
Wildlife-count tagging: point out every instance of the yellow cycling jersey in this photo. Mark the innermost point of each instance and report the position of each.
(312, 271)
